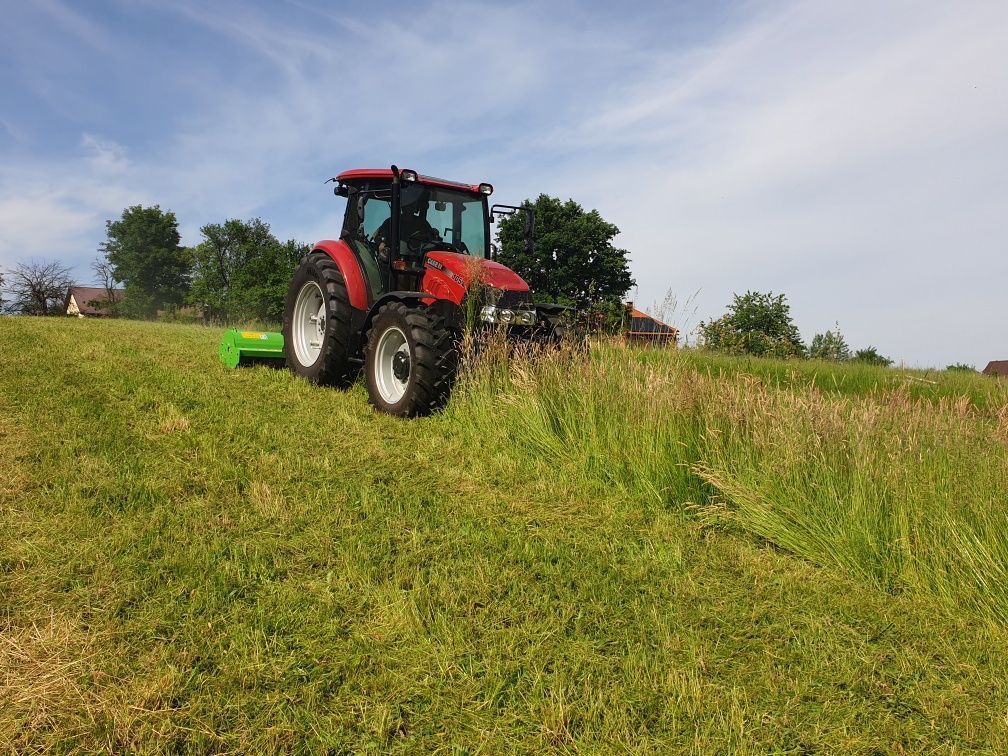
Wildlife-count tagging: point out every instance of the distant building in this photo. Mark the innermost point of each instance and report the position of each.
(997, 368)
(645, 329)
(90, 301)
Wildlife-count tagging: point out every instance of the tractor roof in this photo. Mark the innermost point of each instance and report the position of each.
(359, 174)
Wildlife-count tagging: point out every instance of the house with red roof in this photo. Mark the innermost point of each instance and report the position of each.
(647, 329)
(998, 368)
(90, 301)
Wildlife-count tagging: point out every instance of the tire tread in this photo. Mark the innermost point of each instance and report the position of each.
(435, 359)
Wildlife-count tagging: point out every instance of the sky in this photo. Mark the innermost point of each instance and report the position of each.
(850, 155)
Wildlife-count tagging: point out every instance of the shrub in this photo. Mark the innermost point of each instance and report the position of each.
(870, 356)
(757, 324)
(830, 346)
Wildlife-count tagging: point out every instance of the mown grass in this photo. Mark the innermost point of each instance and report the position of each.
(196, 559)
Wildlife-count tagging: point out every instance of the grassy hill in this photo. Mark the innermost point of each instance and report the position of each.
(641, 552)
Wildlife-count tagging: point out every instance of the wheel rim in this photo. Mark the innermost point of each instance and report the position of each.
(308, 323)
(392, 365)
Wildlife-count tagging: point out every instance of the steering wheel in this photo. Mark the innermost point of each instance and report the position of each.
(415, 244)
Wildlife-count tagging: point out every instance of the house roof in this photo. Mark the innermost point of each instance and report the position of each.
(996, 367)
(86, 296)
(641, 323)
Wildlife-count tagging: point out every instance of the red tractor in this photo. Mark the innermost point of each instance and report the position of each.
(393, 292)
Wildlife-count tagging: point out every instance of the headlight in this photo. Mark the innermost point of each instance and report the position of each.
(525, 317)
(492, 314)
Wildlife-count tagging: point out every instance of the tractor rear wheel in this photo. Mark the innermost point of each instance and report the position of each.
(410, 361)
(316, 327)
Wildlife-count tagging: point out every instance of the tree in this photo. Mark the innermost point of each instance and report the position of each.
(962, 367)
(105, 273)
(829, 346)
(757, 324)
(870, 355)
(143, 249)
(39, 287)
(573, 261)
(241, 271)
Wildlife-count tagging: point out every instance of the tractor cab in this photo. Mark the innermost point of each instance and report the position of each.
(394, 218)
(392, 222)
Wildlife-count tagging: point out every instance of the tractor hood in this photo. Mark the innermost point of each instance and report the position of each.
(489, 272)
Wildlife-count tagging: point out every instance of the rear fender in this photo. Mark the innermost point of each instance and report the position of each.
(344, 257)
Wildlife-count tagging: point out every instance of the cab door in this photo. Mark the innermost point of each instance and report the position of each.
(369, 205)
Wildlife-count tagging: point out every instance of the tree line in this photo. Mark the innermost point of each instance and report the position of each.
(238, 272)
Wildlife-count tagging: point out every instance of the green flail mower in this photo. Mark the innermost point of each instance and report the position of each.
(251, 348)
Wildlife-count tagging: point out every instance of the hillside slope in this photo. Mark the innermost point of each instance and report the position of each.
(210, 560)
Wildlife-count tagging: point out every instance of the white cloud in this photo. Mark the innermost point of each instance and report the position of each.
(39, 225)
(105, 156)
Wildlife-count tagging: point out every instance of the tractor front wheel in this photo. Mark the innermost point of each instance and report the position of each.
(410, 361)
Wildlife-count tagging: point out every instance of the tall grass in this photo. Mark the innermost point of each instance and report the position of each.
(904, 489)
(849, 379)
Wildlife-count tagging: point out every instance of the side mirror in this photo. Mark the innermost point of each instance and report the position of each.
(509, 210)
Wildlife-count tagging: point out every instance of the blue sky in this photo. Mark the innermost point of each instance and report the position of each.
(853, 155)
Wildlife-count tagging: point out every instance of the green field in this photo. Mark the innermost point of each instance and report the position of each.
(640, 552)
